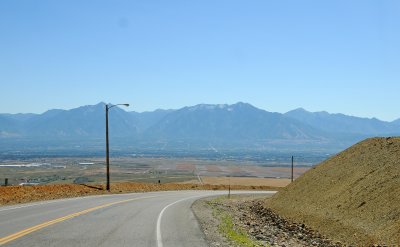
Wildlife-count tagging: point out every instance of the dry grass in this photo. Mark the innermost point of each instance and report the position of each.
(23, 194)
(353, 197)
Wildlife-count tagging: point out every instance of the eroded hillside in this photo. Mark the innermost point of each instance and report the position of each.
(353, 197)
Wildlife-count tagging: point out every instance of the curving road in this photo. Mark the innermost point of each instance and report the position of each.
(159, 219)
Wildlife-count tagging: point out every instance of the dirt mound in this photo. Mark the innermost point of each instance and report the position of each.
(353, 197)
(22, 194)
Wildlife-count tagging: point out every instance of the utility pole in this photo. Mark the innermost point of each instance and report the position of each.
(107, 145)
(107, 153)
(229, 188)
(292, 168)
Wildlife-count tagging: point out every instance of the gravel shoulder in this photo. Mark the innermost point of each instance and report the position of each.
(257, 225)
(209, 223)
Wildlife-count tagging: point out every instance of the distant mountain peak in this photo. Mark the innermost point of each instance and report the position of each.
(301, 110)
(298, 110)
(227, 107)
(207, 107)
(242, 105)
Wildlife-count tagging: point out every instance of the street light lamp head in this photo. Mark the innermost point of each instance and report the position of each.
(108, 106)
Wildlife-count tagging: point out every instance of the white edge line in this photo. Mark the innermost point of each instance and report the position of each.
(159, 238)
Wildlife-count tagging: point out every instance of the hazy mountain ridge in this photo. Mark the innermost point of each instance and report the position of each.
(146, 119)
(340, 123)
(396, 122)
(237, 123)
(240, 121)
(84, 121)
(8, 126)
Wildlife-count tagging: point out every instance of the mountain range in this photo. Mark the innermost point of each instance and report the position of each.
(240, 123)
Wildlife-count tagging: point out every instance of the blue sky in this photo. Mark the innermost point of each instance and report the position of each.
(338, 56)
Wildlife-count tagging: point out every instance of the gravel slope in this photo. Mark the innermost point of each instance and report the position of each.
(261, 225)
(353, 197)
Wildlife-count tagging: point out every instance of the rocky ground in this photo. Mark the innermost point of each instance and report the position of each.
(263, 227)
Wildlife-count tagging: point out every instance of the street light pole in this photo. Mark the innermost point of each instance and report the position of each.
(107, 152)
(107, 145)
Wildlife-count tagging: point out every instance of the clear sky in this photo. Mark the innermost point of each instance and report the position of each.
(338, 56)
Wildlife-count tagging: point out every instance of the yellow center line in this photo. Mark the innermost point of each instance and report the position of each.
(52, 222)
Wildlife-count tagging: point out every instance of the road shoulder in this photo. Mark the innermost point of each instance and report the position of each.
(242, 220)
(219, 224)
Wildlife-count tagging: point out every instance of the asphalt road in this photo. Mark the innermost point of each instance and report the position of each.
(159, 219)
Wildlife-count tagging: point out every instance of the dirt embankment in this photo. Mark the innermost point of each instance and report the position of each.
(22, 194)
(353, 197)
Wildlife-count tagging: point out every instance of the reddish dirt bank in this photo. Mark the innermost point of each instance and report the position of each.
(22, 194)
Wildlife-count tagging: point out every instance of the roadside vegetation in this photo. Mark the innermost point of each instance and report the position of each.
(227, 226)
(238, 236)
